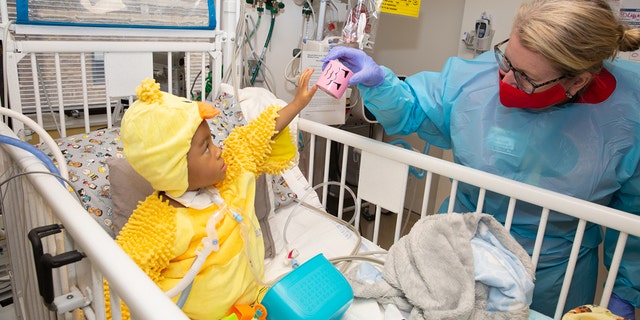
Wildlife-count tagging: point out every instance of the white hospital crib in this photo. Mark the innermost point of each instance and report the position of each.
(31, 200)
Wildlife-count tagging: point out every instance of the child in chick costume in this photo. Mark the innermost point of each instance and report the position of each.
(197, 236)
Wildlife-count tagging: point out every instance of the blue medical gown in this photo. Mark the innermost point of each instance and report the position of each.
(589, 151)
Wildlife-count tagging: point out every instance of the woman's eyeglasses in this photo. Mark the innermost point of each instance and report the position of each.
(522, 80)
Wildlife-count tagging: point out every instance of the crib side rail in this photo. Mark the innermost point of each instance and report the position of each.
(393, 163)
(612, 218)
(40, 199)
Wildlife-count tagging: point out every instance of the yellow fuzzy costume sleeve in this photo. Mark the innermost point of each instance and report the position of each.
(148, 238)
(251, 148)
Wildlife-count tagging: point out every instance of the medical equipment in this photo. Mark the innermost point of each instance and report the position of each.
(30, 148)
(273, 7)
(307, 22)
(479, 39)
(210, 243)
(361, 24)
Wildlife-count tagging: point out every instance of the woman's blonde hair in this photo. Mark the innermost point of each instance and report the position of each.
(575, 35)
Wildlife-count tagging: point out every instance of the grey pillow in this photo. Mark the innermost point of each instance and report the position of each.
(128, 188)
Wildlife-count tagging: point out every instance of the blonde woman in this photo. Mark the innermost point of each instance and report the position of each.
(550, 106)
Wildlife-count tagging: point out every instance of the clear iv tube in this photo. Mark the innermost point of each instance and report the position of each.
(306, 27)
(322, 12)
(210, 244)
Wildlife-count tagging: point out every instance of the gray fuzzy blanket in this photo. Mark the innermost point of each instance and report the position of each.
(429, 273)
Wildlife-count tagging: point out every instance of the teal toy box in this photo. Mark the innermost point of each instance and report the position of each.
(315, 290)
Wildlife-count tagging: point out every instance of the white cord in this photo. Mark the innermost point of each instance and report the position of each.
(356, 257)
(302, 202)
(349, 225)
(293, 78)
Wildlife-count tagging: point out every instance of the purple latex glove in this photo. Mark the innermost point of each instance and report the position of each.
(621, 307)
(365, 70)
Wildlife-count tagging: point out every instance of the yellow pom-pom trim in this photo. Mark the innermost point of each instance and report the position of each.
(149, 91)
(249, 148)
(148, 238)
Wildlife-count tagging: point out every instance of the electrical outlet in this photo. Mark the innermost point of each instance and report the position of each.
(252, 68)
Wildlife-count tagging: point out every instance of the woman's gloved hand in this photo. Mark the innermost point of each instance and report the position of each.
(365, 70)
(620, 307)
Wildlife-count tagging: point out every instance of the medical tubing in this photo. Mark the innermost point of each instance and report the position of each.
(362, 256)
(43, 135)
(306, 20)
(75, 192)
(348, 225)
(313, 16)
(256, 25)
(184, 295)
(264, 49)
(244, 233)
(418, 173)
(337, 260)
(406, 219)
(33, 150)
(304, 197)
(209, 244)
(193, 271)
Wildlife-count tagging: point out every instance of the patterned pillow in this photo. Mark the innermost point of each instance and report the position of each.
(86, 156)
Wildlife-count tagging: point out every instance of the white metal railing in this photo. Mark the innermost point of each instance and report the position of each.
(585, 211)
(59, 69)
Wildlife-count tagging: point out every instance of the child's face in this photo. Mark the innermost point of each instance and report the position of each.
(204, 162)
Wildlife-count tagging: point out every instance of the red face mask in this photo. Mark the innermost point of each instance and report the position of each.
(513, 97)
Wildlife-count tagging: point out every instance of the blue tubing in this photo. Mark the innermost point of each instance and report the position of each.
(183, 296)
(33, 150)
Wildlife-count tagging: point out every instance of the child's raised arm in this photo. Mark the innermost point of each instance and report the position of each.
(300, 101)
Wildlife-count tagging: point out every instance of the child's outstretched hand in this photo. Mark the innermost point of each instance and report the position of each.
(304, 93)
(301, 100)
